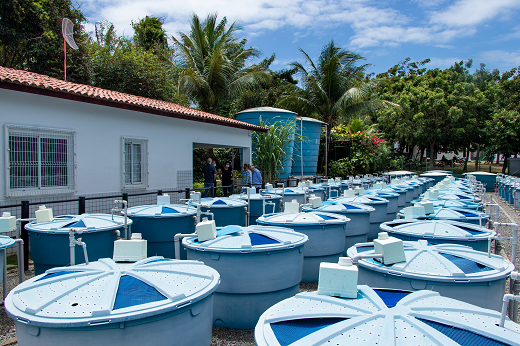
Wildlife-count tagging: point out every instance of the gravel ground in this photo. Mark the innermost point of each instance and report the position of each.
(233, 337)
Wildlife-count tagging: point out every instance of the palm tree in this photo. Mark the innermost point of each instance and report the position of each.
(215, 61)
(335, 88)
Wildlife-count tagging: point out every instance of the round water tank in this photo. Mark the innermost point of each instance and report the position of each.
(151, 302)
(442, 203)
(326, 232)
(49, 241)
(226, 211)
(259, 266)
(359, 215)
(382, 317)
(260, 204)
(159, 224)
(455, 271)
(440, 232)
(453, 214)
(5, 242)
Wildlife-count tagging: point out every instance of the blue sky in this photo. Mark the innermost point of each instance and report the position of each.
(384, 32)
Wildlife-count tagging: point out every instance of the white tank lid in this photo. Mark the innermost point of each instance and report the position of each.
(108, 292)
(162, 210)
(437, 229)
(365, 199)
(302, 219)
(342, 208)
(381, 317)
(443, 262)
(89, 223)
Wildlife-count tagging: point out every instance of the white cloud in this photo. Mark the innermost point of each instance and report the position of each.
(501, 56)
(473, 12)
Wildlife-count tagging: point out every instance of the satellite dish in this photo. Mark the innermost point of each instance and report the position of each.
(67, 30)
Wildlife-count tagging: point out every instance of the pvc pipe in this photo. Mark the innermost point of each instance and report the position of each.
(357, 257)
(178, 245)
(20, 254)
(505, 304)
(125, 210)
(4, 276)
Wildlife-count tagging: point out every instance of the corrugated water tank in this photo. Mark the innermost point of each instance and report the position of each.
(49, 241)
(454, 214)
(151, 302)
(455, 271)
(382, 317)
(259, 266)
(159, 224)
(359, 215)
(326, 232)
(226, 210)
(376, 217)
(440, 232)
(260, 204)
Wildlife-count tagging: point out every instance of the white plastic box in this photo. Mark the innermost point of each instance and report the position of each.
(130, 250)
(292, 207)
(44, 214)
(7, 222)
(349, 193)
(164, 199)
(206, 230)
(315, 201)
(359, 191)
(414, 212)
(338, 279)
(391, 248)
(428, 207)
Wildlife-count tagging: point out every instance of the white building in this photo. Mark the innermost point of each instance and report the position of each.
(64, 139)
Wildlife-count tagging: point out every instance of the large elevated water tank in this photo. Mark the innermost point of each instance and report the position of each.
(49, 241)
(152, 302)
(259, 266)
(455, 271)
(310, 143)
(269, 116)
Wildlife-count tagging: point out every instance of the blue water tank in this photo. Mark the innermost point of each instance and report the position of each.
(359, 215)
(159, 224)
(326, 232)
(382, 317)
(226, 211)
(269, 116)
(455, 271)
(259, 266)
(49, 241)
(310, 144)
(437, 176)
(289, 194)
(454, 214)
(5, 242)
(376, 218)
(260, 204)
(451, 204)
(393, 200)
(440, 232)
(151, 302)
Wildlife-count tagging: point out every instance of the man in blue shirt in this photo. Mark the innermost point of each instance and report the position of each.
(210, 177)
(256, 179)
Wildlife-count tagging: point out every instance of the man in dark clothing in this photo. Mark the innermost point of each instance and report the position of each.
(210, 177)
(227, 178)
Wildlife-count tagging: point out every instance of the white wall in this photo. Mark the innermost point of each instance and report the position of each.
(98, 138)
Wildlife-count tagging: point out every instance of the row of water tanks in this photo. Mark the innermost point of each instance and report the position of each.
(257, 267)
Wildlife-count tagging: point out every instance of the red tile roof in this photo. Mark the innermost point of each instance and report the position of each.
(41, 84)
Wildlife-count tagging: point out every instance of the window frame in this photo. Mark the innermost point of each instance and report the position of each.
(39, 133)
(143, 184)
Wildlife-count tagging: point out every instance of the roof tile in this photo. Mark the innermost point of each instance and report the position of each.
(115, 98)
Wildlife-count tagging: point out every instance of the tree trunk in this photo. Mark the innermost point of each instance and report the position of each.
(498, 158)
(466, 156)
(478, 157)
(432, 154)
(506, 156)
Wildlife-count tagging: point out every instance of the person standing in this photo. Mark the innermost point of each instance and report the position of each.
(227, 179)
(210, 177)
(246, 177)
(256, 178)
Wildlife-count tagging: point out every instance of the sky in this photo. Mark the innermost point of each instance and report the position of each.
(384, 32)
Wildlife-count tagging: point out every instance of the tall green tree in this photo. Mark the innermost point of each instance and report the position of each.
(30, 38)
(150, 35)
(214, 62)
(118, 64)
(335, 88)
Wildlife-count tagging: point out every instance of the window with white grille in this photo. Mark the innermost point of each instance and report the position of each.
(135, 163)
(39, 161)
